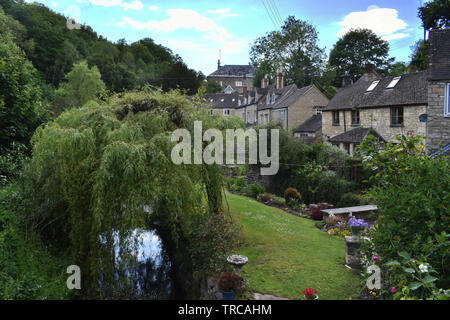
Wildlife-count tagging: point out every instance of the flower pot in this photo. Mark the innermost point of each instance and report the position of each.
(228, 295)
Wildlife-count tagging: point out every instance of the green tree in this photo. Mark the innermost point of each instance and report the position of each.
(435, 14)
(295, 48)
(213, 87)
(419, 57)
(83, 84)
(357, 47)
(398, 69)
(21, 106)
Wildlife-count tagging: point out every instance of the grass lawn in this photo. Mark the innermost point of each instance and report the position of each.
(288, 254)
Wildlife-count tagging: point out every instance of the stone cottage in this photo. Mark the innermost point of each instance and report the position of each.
(288, 105)
(390, 105)
(438, 124)
(234, 78)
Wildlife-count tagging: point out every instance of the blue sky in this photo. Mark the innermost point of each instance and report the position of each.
(196, 30)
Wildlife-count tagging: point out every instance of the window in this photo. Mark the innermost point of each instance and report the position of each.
(447, 100)
(273, 98)
(212, 100)
(397, 116)
(283, 115)
(238, 83)
(335, 118)
(355, 117)
(393, 83)
(226, 112)
(373, 86)
(222, 100)
(221, 83)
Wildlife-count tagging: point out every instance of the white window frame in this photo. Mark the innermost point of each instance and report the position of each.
(238, 83)
(394, 82)
(283, 115)
(373, 86)
(447, 100)
(226, 112)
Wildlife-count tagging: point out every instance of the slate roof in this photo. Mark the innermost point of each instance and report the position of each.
(356, 135)
(439, 55)
(227, 102)
(445, 151)
(234, 71)
(283, 97)
(313, 124)
(410, 90)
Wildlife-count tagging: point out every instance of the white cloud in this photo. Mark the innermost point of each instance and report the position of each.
(180, 19)
(55, 4)
(222, 13)
(135, 5)
(384, 22)
(219, 11)
(154, 8)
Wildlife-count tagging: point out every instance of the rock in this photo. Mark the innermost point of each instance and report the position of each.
(259, 296)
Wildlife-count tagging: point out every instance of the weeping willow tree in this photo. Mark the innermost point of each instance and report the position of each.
(99, 172)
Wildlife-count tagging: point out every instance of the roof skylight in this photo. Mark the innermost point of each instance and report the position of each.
(373, 86)
(393, 83)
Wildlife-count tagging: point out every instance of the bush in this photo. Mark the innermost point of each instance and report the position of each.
(292, 194)
(256, 190)
(266, 197)
(243, 170)
(293, 204)
(320, 224)
(412, 193)
(228, 282)
(349, 200)
(279, 201)
(316, 214)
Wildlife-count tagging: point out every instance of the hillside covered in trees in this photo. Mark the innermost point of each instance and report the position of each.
(53, 49)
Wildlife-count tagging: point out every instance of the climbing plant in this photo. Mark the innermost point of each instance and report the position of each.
(101, 171)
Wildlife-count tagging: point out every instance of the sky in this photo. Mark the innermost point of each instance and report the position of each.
(199, 30)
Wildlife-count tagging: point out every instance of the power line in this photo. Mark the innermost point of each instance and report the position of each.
(268, 13)
(269, 5)
(275, 5)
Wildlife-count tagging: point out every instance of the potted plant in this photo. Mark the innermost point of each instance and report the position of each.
(310, 294)
(230, 284)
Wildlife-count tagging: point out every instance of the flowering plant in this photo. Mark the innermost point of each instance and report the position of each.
(356, 225)
(310, 294)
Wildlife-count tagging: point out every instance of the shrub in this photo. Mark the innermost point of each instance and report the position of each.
(292, 194)
(266, 197)
(279, 201)
(293, 204)
(349, 200)
(320, 224)
(317, 214)
(243, 170)
(256, 190)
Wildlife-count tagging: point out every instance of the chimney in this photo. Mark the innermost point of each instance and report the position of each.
(280, 79)
(265, 82)
(245, 90)
(218, 64)
(346, 80)
(369, 74)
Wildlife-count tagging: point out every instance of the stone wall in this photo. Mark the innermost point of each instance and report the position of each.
(254, 176)
(380, 120)
(438, 125)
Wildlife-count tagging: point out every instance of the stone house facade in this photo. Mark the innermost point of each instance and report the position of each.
(234, 78)
(390, 105)
(438, 124)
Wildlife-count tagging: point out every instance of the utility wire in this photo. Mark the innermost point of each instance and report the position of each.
(268, 13)
(275, 17)
(277, 11)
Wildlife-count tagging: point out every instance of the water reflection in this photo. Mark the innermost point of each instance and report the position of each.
(152, 274)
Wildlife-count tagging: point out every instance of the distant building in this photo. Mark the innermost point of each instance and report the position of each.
(234, 78)
(310, 130)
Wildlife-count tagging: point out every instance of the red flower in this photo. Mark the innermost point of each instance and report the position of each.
(310, 292)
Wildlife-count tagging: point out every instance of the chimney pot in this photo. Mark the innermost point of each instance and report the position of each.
(346, 80)
(280, 78)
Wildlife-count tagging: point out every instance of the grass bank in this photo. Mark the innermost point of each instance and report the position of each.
(288, 254)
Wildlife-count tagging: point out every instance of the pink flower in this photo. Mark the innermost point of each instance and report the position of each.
(393, 289)
(376, 258)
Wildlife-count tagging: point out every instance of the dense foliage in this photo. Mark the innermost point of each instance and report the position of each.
(96, 169)
(53, 49)
(295, 48)
(435, 14)
(21, 105)
(411, 191)
(357, 47)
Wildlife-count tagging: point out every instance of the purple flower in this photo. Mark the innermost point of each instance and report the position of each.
(393, 289)
(376, 258)
(357, 223)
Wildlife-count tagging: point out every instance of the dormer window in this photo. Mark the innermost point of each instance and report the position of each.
(373, 86)
(393, 83)
(273, 98)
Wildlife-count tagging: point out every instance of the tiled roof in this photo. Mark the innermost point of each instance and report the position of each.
(222, 100)
(445, 151)
(313, 124)
(439, 55)
(234, 71)
(283, 97)
(356, 136)
(410, 90)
